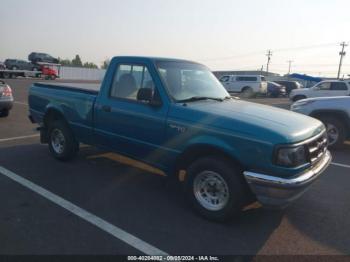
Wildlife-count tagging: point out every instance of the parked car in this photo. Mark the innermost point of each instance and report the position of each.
(2, 66)
(275, 90)
(175, 115)
(290, 85)
(35, 57)
(16, 64)
(334, 112)
(248, 85)
(322, 89)
(6, 99)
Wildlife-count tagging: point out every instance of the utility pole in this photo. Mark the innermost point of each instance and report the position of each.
(342, 53)
(290, 66)
(269, 54)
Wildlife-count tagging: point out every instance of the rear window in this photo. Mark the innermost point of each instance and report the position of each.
(338, 86)
(246, 78)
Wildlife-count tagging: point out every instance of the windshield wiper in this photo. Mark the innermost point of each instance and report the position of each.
(198, 98)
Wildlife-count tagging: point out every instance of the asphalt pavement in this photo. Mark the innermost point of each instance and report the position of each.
(99, 201)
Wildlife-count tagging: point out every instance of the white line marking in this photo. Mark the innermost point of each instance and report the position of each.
(85, 215)
(341, 165)
(17, 138)
(20, 103)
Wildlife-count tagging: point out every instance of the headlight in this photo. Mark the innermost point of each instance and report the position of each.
(291, 156)
(299, 104)
(303, 102)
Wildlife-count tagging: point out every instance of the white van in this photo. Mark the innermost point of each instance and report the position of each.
(248, 85)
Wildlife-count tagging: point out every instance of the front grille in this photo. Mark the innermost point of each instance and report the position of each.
(317, 148)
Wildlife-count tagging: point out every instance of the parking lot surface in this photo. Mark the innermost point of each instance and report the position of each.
(127, 201)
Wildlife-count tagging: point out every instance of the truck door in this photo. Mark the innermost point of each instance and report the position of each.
(126, 124)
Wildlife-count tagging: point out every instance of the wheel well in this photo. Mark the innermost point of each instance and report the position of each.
(195, 152)
(334, 114)
(296, 96)
(245, 88)
(52, 115)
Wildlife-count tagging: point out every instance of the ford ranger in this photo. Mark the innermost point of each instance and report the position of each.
(176, 116)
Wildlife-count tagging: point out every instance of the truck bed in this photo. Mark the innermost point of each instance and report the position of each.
(73, 100)
(79, 87)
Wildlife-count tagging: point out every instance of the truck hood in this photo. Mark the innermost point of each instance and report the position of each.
(251, 120)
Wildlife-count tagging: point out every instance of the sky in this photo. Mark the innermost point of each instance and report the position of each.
(223, 34)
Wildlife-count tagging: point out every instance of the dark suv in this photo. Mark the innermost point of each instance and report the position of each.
(42, 57)
(290, 85)
(15, 64)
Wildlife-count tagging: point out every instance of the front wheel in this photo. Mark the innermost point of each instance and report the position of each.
(336, 131)
(4, 113)
(62, 143)
(215, 188)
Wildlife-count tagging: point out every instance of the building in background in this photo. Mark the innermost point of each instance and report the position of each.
(80, 73)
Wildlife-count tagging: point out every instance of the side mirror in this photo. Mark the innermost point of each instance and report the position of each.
(147, 94)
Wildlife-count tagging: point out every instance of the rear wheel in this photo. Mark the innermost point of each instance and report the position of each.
(215, 188)
(62, 143)
(247, 92)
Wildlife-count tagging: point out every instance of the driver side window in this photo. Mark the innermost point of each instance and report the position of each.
(129, 79)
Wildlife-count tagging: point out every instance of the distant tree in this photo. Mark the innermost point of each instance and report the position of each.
(105, 64)
(90, 65)
(64, 62)
(77, 61)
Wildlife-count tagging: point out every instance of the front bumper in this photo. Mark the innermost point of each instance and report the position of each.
(277, 192)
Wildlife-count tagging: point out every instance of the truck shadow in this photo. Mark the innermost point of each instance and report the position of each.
(144, 204)
(154, 208)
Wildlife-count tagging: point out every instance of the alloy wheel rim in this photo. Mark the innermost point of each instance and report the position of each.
(58, 141)
(211, 190)
(332, 133)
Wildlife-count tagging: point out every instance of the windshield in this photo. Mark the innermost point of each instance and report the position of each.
(186, 80)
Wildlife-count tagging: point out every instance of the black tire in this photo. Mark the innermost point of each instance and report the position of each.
(298, 97)
(237, 188)
(333, 124)
(70, 146)
(6, 75)
(4, 113)
(248, 92)
(275, 95)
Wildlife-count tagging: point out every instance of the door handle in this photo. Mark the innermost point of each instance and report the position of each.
(106, 108)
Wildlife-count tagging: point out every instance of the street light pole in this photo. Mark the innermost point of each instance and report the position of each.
(342, 53)
(290, 66)
(269, 54)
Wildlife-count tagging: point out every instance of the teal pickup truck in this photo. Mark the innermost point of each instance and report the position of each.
(175, 115)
